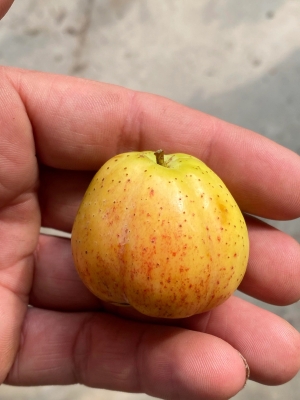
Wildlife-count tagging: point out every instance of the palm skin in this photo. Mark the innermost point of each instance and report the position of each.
(56, 132)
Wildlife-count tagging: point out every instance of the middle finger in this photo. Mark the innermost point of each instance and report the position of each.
(272, 274)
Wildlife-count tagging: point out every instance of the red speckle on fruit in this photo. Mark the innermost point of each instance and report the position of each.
(157, 261)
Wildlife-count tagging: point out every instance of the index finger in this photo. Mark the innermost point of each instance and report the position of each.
(79, 124)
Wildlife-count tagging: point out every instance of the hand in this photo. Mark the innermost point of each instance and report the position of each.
(55, 132)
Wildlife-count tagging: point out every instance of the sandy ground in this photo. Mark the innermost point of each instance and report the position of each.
(239, 61)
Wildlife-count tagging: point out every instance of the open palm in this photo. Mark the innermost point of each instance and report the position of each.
(55, 133)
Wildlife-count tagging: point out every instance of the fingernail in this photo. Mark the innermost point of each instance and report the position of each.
(246, 367)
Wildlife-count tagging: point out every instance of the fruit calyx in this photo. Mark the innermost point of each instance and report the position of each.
(160, 160)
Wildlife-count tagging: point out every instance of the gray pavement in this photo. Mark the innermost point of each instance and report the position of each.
(238, 60)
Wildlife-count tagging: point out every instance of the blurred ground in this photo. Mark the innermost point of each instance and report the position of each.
(239, 61)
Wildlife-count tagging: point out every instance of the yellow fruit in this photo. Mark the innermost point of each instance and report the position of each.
(163, 235)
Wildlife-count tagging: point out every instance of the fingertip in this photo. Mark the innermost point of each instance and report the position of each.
(270, 344)
(273, 278)
(4, 7)
(197, 365)
(284, 362)
(247, 369)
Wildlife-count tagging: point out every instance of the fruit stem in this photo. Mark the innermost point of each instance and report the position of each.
(159, 154)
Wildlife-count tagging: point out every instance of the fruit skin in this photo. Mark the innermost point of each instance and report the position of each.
(168, 240)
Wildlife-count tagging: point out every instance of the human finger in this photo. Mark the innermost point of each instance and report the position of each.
(56, 284)
(272, 274)
(247, 327)
(4, 7)
(270, 345)
(101, 350)
(72, 117)
(19, 219)
(60, 194)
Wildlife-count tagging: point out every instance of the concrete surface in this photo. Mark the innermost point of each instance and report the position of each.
(238, 60)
